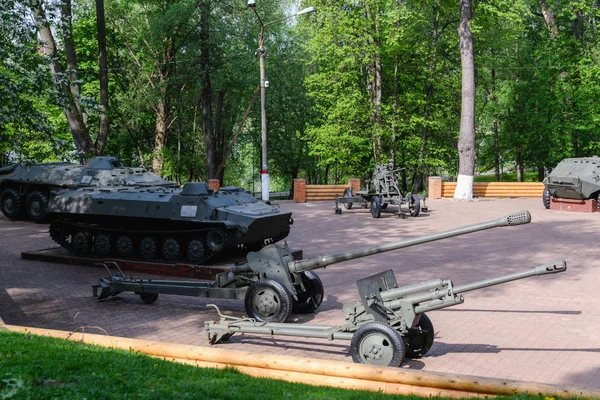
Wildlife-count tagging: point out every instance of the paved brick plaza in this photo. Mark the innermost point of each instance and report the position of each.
(543, 329)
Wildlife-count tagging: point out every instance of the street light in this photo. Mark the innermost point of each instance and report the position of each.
(263, 86)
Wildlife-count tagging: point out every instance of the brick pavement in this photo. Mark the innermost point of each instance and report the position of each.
(543, 329)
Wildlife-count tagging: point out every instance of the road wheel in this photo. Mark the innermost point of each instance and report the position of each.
(195, 251)
(102, 245)
(414, 205)
(37, 206)
(148, 298)
(268, 301)
(81, 243)
(546, 198)
(11, 203)
(171, 249)
(377, 344)
(312, 297)
(125, 246)
(348, 193)
(148, 248)
(420, 341)
(376, 207)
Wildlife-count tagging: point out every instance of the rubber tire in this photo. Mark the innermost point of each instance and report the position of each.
(125, 246)
(42, 200)
(16, 212)
(546, 198)
(148, 298)
(268, 290)
(416, 205)
(389, 338)
(417, 351)
(171, 249)
(311, 299)
(102, 245)
(376, 207)
(148, 248)
(348, 193)
(81, 243)
(196, 252)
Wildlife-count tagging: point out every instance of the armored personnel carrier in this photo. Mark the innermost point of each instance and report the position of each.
(25, 188)
(573, 178)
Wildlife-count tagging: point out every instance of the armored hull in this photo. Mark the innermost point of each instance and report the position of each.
(163, 223)
(573, 178)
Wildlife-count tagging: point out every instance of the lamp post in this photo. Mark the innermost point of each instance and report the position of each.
(264, 174)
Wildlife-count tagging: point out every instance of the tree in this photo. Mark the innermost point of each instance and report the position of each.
(466, 138)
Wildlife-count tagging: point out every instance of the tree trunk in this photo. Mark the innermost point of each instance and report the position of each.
(549, 19)
(219, 136)
(103, 64)
(374, 79)
(81, 136)
(466, 138)
(70, 51)
(495, 129)
(160, 134)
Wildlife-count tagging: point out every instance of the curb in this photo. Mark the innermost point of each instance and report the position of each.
(321, 372)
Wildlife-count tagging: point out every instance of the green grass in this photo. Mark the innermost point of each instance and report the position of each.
(528, 176)
(34, 367)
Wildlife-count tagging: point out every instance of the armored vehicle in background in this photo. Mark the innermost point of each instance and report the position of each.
(25, 188)
(573, 178)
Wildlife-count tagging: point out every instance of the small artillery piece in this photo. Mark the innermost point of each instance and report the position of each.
(273, 283)
(388, 324)
(384, 191)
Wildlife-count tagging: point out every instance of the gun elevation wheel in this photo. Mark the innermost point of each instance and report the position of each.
(312, 297)
(377, 344)
(546, 198)
(420, 339)
(348, 193)
(376, 207)
(11, 203)
(414, 205)
(37, 206)
(268, 301)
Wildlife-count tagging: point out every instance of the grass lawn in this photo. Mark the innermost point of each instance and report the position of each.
(35, 367)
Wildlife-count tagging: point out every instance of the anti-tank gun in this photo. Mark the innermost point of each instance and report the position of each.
(388, 325)
(272, 282)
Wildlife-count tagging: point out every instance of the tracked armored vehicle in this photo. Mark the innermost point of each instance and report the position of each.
(162, 223)
(573, 178)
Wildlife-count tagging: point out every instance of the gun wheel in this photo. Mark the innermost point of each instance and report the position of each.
(376, 207)
(414, 205)
(268, 301)
(420, 338)
(379, 344)
(148, 298)
(311, 298)
(546, 198)
(348, 193)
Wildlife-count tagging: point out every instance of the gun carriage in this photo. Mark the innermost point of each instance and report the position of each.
(384, 191)
(388, 325)
(271, 282)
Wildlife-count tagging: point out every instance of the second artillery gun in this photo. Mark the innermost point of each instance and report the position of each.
(384, 191)
(388, 324)
(272, 283)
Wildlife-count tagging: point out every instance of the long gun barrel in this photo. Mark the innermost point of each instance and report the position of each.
(518, 218)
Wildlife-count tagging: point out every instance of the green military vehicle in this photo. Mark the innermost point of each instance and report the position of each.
(573, 178)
